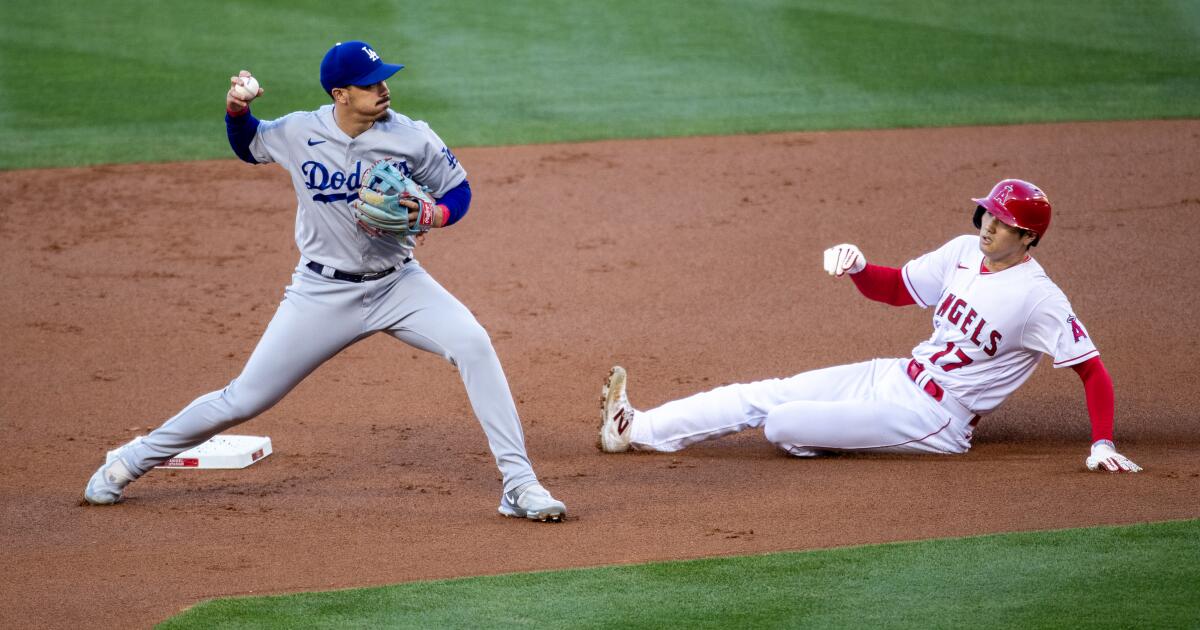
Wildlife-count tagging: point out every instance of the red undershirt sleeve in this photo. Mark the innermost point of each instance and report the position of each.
(883, 284)
(1097, 385)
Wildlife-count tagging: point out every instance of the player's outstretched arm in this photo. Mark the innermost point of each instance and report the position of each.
(1098, 387)
(882, 284)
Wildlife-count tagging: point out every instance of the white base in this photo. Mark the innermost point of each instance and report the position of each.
(222, 451)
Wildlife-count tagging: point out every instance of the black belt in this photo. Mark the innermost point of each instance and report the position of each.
(330, 272)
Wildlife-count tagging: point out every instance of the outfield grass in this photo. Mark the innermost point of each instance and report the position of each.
(135, 80)
(1141, 576)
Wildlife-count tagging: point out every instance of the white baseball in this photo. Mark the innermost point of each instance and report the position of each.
(247, 88)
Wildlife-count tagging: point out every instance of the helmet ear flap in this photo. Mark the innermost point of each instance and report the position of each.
(978, 220)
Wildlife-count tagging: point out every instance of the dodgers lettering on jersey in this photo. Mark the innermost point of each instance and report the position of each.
(318, 178)
(990, 329)
(327, 167)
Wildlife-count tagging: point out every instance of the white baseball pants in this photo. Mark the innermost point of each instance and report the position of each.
(318, 318)
(870, 406)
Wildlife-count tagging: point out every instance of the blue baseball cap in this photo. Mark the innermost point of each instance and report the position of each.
(353, 63)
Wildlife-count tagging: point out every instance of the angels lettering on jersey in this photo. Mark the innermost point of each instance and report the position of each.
(955, 311)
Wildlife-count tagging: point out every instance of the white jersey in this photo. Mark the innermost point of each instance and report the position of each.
(990, 329)
(327, 166)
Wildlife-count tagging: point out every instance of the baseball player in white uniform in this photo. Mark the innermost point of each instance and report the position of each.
(351, 281)
(995, 313)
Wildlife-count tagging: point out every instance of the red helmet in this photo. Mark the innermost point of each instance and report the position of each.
(1017, 203)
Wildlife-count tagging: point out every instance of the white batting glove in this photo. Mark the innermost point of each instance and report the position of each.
(1105, 457)
(844, 258)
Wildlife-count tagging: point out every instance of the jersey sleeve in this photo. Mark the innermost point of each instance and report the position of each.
(270, 143)
(1098, 390)
(438, 169)
(882, 284)
(925, 277)
(1054, 329)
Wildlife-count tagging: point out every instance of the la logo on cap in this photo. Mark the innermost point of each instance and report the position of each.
(343, 66)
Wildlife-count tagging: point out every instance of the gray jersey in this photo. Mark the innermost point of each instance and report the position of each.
(327, 166)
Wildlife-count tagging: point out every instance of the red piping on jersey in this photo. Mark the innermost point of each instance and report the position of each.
(984, 271)
(912, 291)
(1098, 387)
(883, 284)
(1065, 361)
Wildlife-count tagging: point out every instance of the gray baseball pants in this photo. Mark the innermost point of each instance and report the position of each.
(321, 316)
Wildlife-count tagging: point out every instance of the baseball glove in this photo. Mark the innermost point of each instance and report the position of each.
(379, 209)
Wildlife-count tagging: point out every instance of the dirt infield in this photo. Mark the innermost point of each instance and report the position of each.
(130, 290)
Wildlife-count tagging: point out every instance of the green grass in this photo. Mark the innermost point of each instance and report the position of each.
(1145, 576)
(135, 80)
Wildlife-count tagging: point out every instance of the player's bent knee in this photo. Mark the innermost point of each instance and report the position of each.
(780, 431)
(473, 344)
(776, 430)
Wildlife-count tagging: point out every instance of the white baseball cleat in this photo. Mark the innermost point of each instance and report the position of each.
(107, 483)
(616, 414)
(533, 502)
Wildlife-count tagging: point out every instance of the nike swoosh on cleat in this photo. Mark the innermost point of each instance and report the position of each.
(313, 143)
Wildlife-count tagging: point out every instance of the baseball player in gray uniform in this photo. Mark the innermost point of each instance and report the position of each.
(351, 281)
